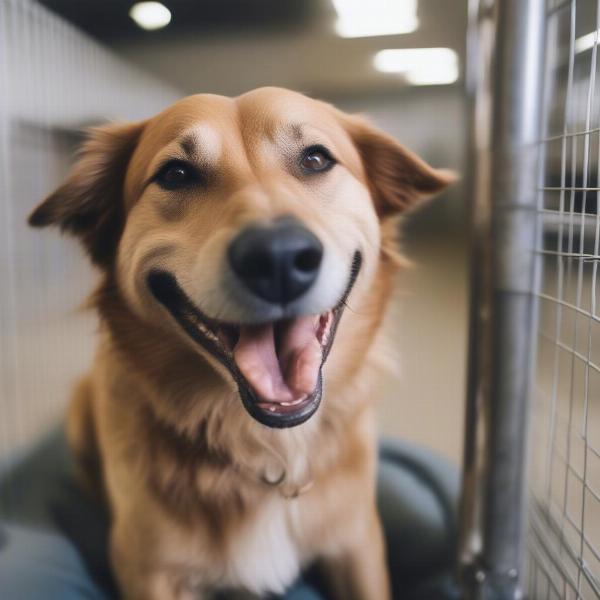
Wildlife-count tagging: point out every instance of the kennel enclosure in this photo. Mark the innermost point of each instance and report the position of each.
(531, 485)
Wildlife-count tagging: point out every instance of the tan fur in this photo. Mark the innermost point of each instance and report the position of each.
(182, 463)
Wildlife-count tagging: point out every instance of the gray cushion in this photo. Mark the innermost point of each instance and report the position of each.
(53, 539)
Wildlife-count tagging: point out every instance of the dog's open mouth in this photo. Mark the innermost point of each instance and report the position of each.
(277, 365)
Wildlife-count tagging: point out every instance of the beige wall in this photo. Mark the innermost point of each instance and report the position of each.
(52, 81)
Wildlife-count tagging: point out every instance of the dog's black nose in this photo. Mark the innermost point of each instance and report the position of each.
(277, 262)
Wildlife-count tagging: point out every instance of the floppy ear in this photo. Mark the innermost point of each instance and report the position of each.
(398, 179)
(89, 203)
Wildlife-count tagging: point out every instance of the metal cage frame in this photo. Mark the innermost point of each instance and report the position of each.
(530, 449)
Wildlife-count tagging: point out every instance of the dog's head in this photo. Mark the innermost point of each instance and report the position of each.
(243, 226)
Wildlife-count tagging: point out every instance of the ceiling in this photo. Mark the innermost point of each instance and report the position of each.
(228, 46)
(108, 20)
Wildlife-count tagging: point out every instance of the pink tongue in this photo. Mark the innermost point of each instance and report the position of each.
(282, 376)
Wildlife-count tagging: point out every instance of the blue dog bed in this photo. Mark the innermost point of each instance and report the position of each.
(53, 539)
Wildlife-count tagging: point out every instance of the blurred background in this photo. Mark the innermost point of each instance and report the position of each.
(68, 64)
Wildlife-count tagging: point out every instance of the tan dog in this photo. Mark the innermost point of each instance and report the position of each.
(229, 410)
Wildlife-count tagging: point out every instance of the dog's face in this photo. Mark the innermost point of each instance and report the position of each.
(243, 226)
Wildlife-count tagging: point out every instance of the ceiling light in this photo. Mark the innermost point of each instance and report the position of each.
(586, 42)
(362, 18)
(150, 15)
(420, 66)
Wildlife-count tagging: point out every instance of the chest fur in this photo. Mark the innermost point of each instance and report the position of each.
(264, 554)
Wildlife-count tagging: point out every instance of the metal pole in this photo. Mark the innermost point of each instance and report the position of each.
(506, 46)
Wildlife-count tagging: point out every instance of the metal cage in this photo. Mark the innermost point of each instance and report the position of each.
(531, 499)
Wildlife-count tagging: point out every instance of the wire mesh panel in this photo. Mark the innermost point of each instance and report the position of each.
(564, 507)
(53, 82)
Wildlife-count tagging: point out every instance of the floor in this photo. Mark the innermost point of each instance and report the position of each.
(424, 400)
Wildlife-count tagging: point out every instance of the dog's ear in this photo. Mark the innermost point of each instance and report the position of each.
(398, 178)
(89, 203)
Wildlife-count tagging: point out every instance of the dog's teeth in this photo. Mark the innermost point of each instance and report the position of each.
(207, 332)
(272, 408)
(294, 402)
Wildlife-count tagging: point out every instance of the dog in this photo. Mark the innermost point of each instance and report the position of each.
(247, 251)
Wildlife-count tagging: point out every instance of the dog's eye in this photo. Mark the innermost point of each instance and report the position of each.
(317, 159)
(176, 174)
